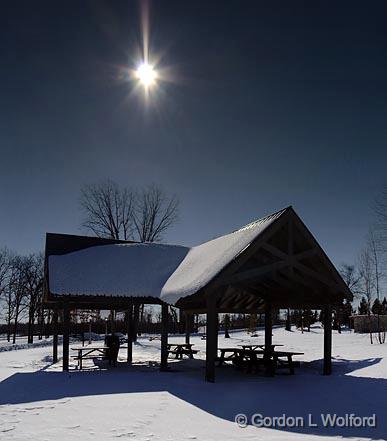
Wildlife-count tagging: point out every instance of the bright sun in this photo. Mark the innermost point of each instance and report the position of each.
(146, 74)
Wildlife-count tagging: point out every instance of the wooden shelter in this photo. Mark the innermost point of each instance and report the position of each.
(278, 264)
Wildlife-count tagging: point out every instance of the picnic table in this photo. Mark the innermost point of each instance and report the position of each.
(278, 362)
(253, 357)
(89, 351)
(257, 347)
(180, 349)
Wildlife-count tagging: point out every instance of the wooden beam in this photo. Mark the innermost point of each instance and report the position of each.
(188, 318)
(98, 302)
(211, 338)
(315, 275)
(290, 245)
(253, 273)
(268, 338)
(290, 238)
(66, 337)
(129, 327)
(327, 340)
(284, 283)
(225, 311)
(231, 300)
(275, 251)
(256, 273)
(164, 337)
(304, 283)
(299, 256)
(55, 336)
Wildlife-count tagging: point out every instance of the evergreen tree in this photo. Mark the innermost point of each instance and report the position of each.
(384, 306)
(308, 318)
(377, 307)
(363, 306)
(341, 315)
(346, 313)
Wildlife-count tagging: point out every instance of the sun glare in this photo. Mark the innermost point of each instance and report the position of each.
(146, 75)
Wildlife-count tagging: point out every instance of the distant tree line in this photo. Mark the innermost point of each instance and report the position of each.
(366, 278)
(21, 292)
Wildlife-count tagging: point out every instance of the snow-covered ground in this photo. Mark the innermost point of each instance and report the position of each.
(22, 343)
(39, 402)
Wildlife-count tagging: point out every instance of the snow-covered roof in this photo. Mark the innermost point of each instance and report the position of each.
(166, 272)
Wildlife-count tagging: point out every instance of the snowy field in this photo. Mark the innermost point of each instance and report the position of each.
(39, 402)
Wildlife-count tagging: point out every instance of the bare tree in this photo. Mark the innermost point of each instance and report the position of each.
(108, 210)
(367, 280)
(15, 294)
(120, 213)
(351, 277)
(32, 267)
(375, 249)
(154, 214)
(380, 210)
(4, 268)
(5, 289)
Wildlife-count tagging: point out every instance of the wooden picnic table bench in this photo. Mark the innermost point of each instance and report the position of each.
(252, 358)
(180, 349)
(241, 353)
(258, 346)
(236, 355)
(278, 362)
(90, 352)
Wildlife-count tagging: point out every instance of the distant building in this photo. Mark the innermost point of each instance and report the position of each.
(363, 323)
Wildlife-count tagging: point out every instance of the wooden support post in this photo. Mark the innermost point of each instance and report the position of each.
(66, 336)
(327, 340)
(113, 321)
(55, 336)
(164, 337)
(268, 338)
(188, 318)
(211, 338)
(129, 324)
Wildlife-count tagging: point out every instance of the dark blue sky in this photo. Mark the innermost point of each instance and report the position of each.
(274, 103)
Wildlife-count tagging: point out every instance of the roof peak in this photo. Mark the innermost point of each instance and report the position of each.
(262, 219)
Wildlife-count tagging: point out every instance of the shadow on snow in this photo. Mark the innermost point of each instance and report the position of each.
(305, 393)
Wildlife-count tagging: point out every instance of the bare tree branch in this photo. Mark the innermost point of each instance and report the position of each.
(351, 277)
(380, 211)
(108, 210)
(120, 213)
(154, 214)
